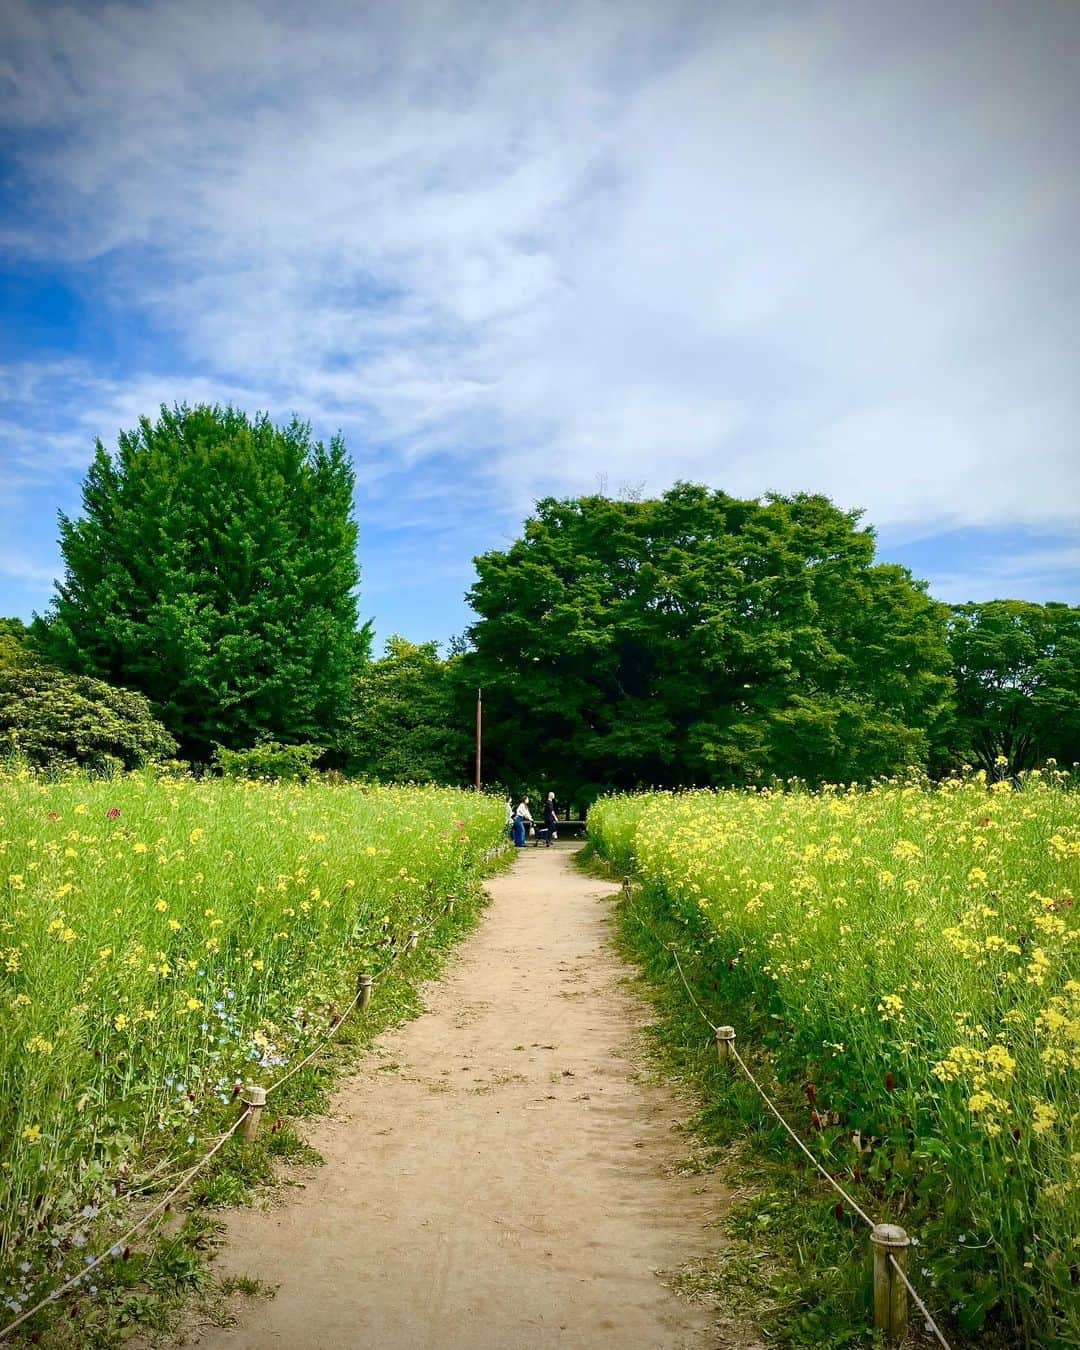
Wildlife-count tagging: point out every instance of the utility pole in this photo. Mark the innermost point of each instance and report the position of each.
(479, 732)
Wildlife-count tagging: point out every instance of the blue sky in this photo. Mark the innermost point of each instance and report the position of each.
(512, 249)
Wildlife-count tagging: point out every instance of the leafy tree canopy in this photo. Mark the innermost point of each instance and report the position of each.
(409, 720)
(699, 638)
(214, 569)
(14, 651)
(14, 629)
(1017, 671)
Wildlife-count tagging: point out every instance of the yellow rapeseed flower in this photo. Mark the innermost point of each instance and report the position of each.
(891, 1007)
(1043, 1117)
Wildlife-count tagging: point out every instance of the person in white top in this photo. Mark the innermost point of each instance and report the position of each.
(522, 820)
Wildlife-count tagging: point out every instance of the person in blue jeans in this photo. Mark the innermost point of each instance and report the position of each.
(522, 818)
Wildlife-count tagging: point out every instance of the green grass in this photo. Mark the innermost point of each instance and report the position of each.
(163, 941)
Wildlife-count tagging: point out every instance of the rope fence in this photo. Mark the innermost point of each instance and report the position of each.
(889, 1241)
(253, 1101)
(120, 1246)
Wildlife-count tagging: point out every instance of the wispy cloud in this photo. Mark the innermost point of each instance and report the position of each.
(507, 249)
(1040, 574)
(22, 569)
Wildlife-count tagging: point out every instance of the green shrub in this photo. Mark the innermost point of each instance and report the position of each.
(58, 721)
(269, 759)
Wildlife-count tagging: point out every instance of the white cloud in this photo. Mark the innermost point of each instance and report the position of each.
(36, 575)
(1041, 574)
(56, 408)
(820, 246)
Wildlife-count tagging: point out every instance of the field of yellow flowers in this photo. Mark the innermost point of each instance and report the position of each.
(162, 941)
(910, 957)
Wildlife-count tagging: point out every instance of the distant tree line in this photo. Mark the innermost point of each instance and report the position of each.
(209, 610)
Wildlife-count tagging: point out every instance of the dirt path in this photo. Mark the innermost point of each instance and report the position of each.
(498, 1176)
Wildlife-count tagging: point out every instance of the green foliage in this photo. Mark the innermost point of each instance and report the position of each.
(699, 638)
(269, 759)
(14, 629)
(213, 569)
(1017, 672)
(56, 721)
(410, 720)
(14, 651)
(901, 962)
(787, 1263)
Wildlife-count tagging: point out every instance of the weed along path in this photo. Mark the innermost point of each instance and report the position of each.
(500, 1174)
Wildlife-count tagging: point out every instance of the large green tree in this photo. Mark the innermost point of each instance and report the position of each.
(1017, 671)
(699, 638)
(214, 569)
(408, 720)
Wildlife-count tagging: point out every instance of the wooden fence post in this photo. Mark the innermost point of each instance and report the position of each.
(413, 940)
(725, 1042)
(890, 1292)
(451, 901)
(252, 1100)
(365, 984)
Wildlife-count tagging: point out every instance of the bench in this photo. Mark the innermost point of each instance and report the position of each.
(565, 829)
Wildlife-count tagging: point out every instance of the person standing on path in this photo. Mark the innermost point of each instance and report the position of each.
(550, 819)
(522, 819)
